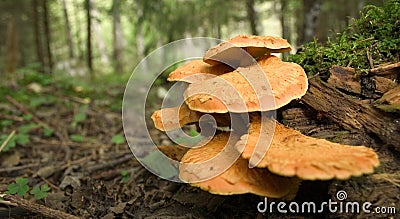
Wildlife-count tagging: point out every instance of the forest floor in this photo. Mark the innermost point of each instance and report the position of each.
(73, 144)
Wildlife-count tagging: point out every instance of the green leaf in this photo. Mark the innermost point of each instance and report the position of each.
(11, 143)
(118, 139)
(40, 192)
(37, 101)
(5, 123)
(76, 138)
(22, 139)
(47, 132)
(125, 176)
(124, 172)
(193, 133)
(27, 117)
(27, 128)
(80, 117)
(20, 187)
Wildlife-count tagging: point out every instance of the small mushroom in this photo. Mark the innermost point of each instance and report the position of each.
(168, 119)
(238, 178)
(172, 118)
(294, 154)
(197, 70)
(287, 80)
(231, 52)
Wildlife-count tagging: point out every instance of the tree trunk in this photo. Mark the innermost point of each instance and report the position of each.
(78, 31)
(46, 23)
(284, 21)
(89, 37)
(140, 44)
(98, 34)
(252, 16)
(118, 38)
(12, 47)
(311, 12)
(68, 31)
(38, 39)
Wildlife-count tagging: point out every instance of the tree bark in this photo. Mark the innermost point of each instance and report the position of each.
(118, 37)
(140, 44)
(284, 22)
(68, 30)
(311, 12)
(78, 31)
(89, 37)
(98, 34)
(46, 23)
(12, 47)
(37, 32)
(351, 113)
(252, 16)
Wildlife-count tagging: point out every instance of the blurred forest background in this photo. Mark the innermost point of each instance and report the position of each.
(64, 65)
(97, 37)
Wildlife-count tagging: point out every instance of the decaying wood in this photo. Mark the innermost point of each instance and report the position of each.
(307, 121)
(383, 84)
(345, 78)
(391, 97)
(386, 70)
(390, 101)
(351, 113)
(36, 208)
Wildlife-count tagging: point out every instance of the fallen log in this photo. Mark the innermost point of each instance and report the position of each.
(351, 113)
(390, 101)
(386, 70)
(346, 79)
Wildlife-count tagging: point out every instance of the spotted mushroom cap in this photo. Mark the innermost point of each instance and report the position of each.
(294, 154)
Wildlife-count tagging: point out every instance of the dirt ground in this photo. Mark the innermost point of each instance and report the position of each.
(86, 180)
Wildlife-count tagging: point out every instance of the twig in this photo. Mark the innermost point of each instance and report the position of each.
(110, 164)
(10, 117)
(386, 70)
(7, 140)
(34, 117)
(371, 62)
(26, 111)
(309, 78)
(10, 169)
(38, 121)
(36, 208)
(49, 183)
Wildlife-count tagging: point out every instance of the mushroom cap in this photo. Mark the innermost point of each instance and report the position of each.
(294, 154)
(238, 178)
(230, 52)
(168, 119)
(287, 80)
(175, 117)
(198, 71)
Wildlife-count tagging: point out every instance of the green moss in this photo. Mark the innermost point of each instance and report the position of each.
(375, 37)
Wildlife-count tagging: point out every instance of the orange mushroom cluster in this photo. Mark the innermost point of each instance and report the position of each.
(221, 90)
